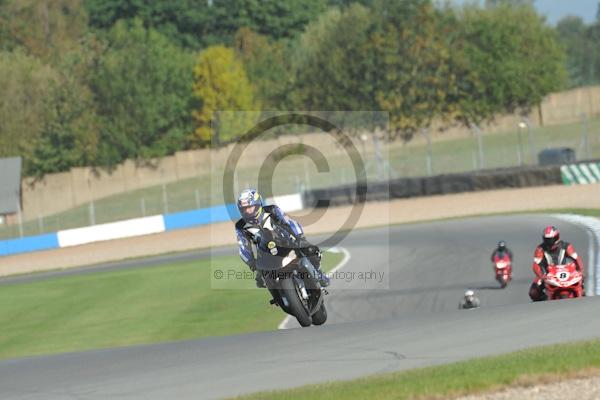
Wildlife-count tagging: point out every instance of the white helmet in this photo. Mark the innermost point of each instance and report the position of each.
(469, 293)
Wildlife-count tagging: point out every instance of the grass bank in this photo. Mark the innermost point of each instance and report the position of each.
(473, 376)
(133, 306)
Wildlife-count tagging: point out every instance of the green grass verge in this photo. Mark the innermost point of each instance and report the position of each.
(460, 378)
(132, 306)
(499, 149)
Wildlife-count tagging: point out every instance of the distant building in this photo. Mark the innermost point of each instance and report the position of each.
(10, 189)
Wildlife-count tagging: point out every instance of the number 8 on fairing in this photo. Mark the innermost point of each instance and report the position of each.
(563, 275)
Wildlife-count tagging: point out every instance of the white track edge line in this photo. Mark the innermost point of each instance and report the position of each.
(593, 229)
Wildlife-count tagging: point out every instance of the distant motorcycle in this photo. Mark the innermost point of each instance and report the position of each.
(563, 282)
(291, 278)
(503, 268)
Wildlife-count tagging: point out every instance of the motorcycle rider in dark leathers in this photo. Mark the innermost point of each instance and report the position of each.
(256, 217)
(552, 250)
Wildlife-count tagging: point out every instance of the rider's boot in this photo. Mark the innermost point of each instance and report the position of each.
(537, 292)
(323, 279)
(260, 282)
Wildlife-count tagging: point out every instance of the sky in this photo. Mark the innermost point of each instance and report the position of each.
(556, 9)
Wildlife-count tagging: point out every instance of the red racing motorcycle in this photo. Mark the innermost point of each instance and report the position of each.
(503, 268)
(563, 282)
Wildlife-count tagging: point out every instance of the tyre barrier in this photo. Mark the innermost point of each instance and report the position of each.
(435, 185)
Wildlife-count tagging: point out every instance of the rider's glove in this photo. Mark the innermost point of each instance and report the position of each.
(314, 251)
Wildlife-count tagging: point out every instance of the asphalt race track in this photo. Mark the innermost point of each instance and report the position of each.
(413, 323)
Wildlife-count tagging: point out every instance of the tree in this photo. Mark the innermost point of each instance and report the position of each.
(510, 60)
(69, 136)
(142, 88)
(591, 51)
(414, 61)
(335, 62)
(276, 19)
(421, 62)
(47, 115)
(66, 140)
(26, 87)
(573, 34)
(391, 57)
(221, 84)
(268, 66)
(511, 3)
(45, 28)
(347, 3)
(186, 22)
(199, 24)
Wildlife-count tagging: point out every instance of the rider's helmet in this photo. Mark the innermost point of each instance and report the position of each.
(551, 237)
(250, 205)
(469, 296)
(502, 245)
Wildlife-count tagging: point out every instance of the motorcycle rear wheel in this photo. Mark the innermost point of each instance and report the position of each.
(320, 316)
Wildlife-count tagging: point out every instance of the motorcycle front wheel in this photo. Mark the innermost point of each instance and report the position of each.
(296, 305)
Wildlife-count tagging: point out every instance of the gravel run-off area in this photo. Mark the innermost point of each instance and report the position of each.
(572, 389)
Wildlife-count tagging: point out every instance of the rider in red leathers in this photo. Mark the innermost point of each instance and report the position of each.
(502, 250)
(552, 250)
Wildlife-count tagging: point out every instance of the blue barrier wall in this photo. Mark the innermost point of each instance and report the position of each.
(186, 219)
(204, 216)
(29, 243)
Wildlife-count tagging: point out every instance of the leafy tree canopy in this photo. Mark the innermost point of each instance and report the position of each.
(221, 88)
(199, 24)
(142, 87)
